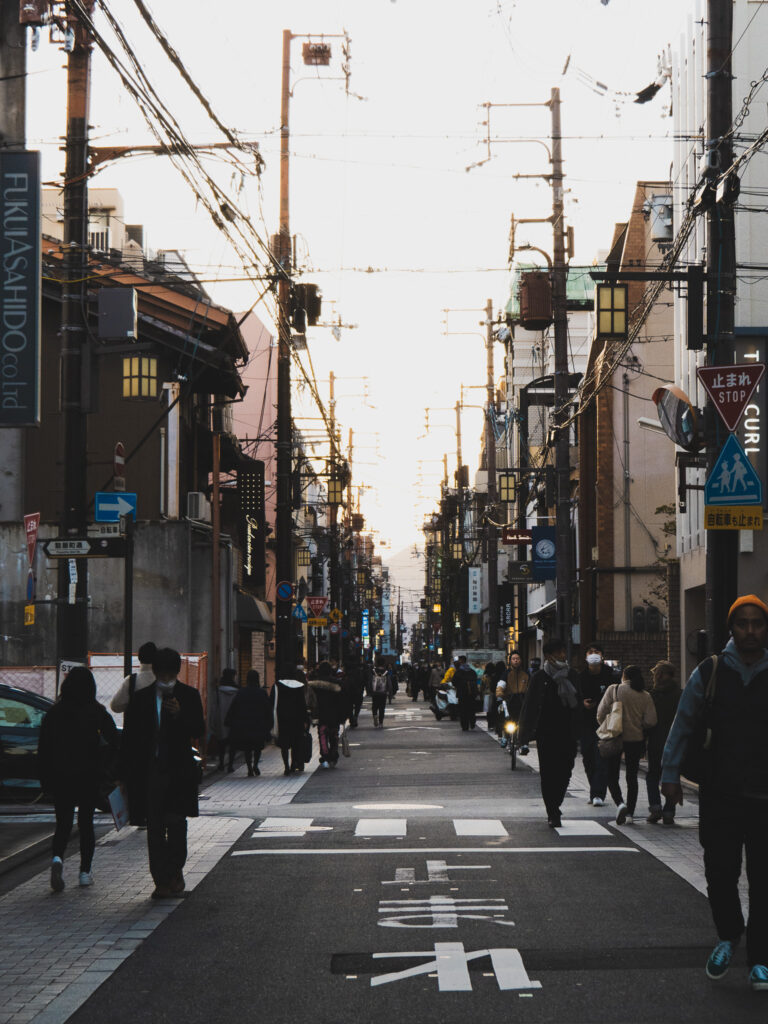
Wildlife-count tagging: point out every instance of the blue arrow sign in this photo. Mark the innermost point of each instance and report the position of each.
(299, 613)
(108, 507)
(733, 480)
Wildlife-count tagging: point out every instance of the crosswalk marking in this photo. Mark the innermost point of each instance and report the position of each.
(381, 827)
(582, 828)
(272, 828)
(479, 827)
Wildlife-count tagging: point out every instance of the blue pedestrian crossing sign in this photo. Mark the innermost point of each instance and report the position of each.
(109, 506)
(733, 480)
(299, 613)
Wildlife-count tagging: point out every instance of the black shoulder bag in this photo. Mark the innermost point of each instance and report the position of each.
(697, 755)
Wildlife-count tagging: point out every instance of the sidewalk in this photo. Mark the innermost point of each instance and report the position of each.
(56, 949)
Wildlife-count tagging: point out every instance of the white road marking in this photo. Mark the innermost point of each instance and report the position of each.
(382, 827)
(272, 828)
(397, 807)
(398, 851)
(451, 961)
(479, 827)
(582, 828)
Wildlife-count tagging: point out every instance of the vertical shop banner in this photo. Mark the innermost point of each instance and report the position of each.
(20, 289)
(475, 596)
(544, 552)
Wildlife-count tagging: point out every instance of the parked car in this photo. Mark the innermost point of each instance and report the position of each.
(21, 713)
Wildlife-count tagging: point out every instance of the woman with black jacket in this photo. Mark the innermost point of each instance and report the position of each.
(76, 755)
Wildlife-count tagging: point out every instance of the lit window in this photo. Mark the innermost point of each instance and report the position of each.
(139, 377)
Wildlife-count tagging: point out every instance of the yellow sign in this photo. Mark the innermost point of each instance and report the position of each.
(733, 517)
(29, 615)
(317, 622)
(336, 615)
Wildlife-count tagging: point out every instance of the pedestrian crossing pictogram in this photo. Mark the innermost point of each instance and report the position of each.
(733, 480)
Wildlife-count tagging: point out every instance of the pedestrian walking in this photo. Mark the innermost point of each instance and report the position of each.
(331, 712)
(291, 718)
(422, 681)
(488, 681)
(381, 689)
(136, 680)
(249, 720)
(158, 768)
(551, 715)
(435, 679)
(465, 684)
(733, 787)
(76, 758)
(593, 682)
(638, 717)
(225, 694)
(665, 694)
(354, 686)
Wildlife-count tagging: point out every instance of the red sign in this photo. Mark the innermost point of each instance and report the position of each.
(317, 605)
(731, 388)
(31, 526)
(511, 535)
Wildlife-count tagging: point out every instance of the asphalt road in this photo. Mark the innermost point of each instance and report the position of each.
(422, 919)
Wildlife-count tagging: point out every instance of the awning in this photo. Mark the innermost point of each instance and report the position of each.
(251, 613)
(546, 609)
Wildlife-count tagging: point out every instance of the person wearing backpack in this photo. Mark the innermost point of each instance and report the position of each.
(733, 783)
(381, 689)
(136, 680)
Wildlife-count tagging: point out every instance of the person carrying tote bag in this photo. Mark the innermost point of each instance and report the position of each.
(638, 715)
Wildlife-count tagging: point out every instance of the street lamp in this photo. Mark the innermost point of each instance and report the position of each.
(611, 305)
(507, 487)
(335, 491)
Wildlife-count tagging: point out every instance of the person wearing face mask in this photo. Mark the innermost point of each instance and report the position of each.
(157, 768)
(551, 715)
(594, 681)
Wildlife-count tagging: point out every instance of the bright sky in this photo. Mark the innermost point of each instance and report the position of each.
(380, 182)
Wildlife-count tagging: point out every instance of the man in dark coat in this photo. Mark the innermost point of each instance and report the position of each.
(550, 715)
(158, 768)
(465, 684)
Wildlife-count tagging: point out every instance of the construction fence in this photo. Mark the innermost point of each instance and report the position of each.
(108, 672)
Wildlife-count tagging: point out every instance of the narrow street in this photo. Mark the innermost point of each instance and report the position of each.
(418, 878)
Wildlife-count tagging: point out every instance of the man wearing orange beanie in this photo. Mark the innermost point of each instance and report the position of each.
(733, 789)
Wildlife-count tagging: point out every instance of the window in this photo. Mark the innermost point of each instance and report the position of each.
(139, 377)
(19, 715)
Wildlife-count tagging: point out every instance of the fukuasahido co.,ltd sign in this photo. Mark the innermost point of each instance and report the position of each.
(19, 289)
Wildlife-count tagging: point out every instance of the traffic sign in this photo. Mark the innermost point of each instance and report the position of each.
(30, 587)
(299, 613)
(108, 507)
(336, 615)
(730, 388)
(317, 622)
(732, 517)
(733, 480)
(513, 535)
(317, 605)
(29, 615)
(334, 628)
(284, 590)
(67, 547)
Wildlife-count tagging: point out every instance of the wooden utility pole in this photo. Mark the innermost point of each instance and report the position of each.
(284, 507)
(722, 545)
(490, 458)
(334, 639)
(75, 351)
(461, 575)
(564, 545)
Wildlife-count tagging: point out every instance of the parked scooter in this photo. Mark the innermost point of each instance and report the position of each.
(445, 702)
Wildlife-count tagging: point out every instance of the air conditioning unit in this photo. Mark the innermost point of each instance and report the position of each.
(198, 507)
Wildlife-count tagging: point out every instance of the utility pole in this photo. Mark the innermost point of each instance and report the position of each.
(284, 503)
(490, 458)
(562, 455)
(13, 66)
(75, 351)
(334, 642)
(722, 545)
(460, 575)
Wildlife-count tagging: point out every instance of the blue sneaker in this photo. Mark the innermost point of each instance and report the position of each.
(719, 960)
(758, 977)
